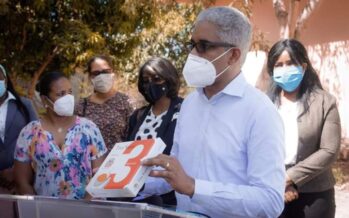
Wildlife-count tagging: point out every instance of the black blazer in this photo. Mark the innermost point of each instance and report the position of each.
(168, 125)
(15, 121)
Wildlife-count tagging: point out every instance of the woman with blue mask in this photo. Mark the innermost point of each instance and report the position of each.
(15, 113)
(312, 131)
(57, 155)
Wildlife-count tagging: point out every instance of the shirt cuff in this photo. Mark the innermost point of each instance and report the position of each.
(203, 190)
(155, 186)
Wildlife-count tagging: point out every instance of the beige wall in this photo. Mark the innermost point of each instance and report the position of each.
(329, 22)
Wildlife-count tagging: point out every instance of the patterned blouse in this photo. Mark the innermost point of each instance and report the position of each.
(150, 126)
(110, 117)
(65, 172)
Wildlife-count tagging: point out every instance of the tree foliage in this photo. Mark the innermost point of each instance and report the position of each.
(41, 35)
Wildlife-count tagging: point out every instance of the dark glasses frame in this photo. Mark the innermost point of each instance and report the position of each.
(155, 79)
(203, 46)
(99, 72)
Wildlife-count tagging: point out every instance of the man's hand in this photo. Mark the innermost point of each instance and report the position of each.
(173, 173)
(291, 194)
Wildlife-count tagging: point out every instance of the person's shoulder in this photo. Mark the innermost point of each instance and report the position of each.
(256, 96)
(257, 104)
(189, 99)
(324, 96)
(32, 125)
(191, 96)
(122, 96)
(122, 99)
(322, 93)
(85, 122)
(26, 101)
(177, 101)
(176, 104)
(140, 110)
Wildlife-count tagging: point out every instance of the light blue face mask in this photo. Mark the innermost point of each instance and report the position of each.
(288, 78)
(2, 88)
(2, 82)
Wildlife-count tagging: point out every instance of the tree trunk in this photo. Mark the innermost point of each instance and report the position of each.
(307, 11)
(282, 17)
(38, 73)
(290, 27)
(294, 13)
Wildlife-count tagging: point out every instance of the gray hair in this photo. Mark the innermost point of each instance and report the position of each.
(232, 27)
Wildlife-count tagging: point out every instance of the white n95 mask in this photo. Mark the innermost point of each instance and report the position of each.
(200, 72)
(64, 106)
(103, 82)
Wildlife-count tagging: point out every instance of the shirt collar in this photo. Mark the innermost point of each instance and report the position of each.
(236, 87)
(10, 96)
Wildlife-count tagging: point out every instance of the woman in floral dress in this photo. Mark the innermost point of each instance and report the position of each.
(58, 154)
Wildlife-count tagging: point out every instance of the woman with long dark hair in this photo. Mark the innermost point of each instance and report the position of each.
(312, 131)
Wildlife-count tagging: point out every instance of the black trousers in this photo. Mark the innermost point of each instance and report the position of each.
(311, 205)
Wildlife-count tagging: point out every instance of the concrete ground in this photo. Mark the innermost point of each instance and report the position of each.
(342, 201)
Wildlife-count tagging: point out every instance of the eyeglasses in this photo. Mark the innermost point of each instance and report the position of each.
(203, 45)
(99, 72)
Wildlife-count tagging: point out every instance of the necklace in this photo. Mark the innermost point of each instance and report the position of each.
(58, 126)
(59, 130)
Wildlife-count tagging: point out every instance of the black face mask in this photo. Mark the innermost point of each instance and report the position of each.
(153, 92)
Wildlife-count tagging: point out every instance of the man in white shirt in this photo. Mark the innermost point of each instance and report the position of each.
(227, 159)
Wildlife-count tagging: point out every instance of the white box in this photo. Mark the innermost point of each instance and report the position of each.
(121, 174)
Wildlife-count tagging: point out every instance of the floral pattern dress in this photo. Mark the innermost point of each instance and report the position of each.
(65, 172)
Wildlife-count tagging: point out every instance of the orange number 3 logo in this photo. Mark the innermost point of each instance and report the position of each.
(133, 163)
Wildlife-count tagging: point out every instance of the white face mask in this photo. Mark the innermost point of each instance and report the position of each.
(200, 72)
(64, 106)
(103, 82)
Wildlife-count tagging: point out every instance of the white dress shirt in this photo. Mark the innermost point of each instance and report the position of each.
(233, 146)
(3, 114)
